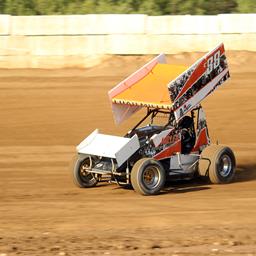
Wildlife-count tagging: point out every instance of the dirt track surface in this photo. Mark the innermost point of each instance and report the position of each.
(45, 113)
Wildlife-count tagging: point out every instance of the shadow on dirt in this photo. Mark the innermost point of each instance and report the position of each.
(245, 173)
(171, 189)
(185, 186)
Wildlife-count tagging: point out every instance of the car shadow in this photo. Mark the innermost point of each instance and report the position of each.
(180, 190)
(245, 172)
(185, 186)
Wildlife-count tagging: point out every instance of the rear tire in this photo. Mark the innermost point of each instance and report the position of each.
(81, 177)
(148, 176)
(221, 168)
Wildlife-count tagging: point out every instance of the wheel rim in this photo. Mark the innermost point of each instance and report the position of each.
(151, 177)
(225, 166)
(86, 176)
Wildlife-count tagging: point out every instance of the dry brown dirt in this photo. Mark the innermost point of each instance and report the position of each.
(45, 113)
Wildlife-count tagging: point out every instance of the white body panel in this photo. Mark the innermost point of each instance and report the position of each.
(183, 163)
(110, 146)
(157, 138)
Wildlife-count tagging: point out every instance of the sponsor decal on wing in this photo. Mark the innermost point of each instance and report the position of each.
(202, 78)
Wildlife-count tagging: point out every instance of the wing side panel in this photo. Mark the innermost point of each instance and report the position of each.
(197, 82)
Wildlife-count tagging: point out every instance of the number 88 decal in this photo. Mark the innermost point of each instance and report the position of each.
(213, 62)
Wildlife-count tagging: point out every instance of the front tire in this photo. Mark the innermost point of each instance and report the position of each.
(222, 164)
(148, 176)
(82, 178)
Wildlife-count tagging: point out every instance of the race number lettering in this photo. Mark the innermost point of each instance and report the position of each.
(213, 62)
(216, 62)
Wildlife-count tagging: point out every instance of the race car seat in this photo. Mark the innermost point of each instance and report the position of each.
(188, 138)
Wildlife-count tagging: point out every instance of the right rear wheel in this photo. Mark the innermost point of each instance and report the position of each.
(221, 164)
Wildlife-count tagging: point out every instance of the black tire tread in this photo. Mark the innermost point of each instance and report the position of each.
(212, 153)
(76, 179)
(135, 176)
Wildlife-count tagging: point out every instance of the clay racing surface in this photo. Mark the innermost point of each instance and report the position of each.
(45, 113)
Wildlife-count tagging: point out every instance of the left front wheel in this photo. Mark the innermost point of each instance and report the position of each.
(148, 176)
(81, 175)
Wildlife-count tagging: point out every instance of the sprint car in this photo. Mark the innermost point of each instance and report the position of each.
(178, 147)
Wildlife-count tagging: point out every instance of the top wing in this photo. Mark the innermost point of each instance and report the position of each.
(198, 81)
(144, 88)
(174, 87)
(151, 90)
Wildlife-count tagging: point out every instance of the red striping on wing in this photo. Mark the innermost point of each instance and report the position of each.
(199, 70)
